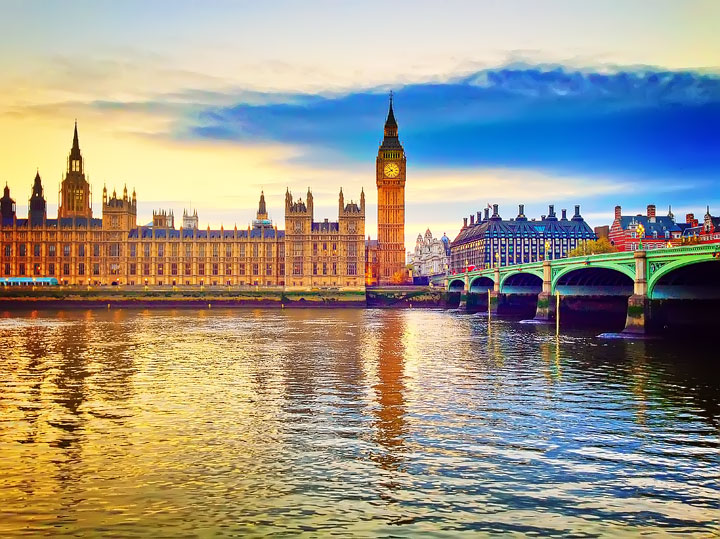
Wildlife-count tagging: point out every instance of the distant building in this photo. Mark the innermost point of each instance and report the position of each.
(662, 231)
(694, 232)
(431, 255)
(602, 232)
(494, 241)
(659, 230)
(190, 220)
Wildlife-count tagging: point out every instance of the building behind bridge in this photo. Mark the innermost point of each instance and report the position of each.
(491, 240)
(661, 231)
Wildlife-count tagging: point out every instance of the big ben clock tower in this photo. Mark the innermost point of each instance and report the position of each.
(390, 179)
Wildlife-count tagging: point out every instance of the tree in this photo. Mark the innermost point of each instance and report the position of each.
(399, 277)
(592, 247)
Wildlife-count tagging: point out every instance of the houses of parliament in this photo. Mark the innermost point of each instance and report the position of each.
(79, 249)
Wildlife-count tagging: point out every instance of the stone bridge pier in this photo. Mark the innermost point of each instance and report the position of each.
(546, 301)
(638, 304)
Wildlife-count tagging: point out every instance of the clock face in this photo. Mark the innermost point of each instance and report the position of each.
(391, 170)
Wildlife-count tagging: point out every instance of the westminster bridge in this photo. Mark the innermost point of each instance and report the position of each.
(649, 291)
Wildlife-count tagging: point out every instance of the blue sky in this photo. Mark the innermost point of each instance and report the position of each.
(592, 103)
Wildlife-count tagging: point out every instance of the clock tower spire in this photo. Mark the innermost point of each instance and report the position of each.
(390, 180)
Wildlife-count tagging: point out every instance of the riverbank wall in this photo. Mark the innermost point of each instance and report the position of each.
(118, 297)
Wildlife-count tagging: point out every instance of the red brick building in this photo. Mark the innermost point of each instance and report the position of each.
(661, 231)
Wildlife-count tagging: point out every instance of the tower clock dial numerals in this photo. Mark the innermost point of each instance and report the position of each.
(391, 170)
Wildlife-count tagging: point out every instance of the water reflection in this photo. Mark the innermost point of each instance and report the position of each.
(230, 422)
(389, 392)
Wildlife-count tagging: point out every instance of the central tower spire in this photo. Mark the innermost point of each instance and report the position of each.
(75, 197)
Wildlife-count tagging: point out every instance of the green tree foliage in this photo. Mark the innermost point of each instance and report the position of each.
(592, 247)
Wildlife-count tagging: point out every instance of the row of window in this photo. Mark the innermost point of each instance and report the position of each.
(115, 250)
(173, 268)
(324, 268)
(35, 269)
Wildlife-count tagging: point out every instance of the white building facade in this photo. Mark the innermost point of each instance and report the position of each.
(431, 255)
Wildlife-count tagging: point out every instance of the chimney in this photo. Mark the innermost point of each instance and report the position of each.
(472, 220)
(521, 210)
(478, 217)
(464, 222)
(618, 212)
(577, 212)
(495, 211)
(564, 215)
(551, 210)
(651, 212)
(487, 214)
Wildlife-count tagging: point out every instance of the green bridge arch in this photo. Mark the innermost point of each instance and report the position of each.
(452, 281)
(504, 277)
(480, 276)
(669, 267)
(624, 269)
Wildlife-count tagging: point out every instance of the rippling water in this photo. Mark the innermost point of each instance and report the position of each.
(364, 422)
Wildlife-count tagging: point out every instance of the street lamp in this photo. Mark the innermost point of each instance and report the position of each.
(641, 234)
(547, 250)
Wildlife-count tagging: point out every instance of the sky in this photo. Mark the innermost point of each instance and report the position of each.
(205, 104)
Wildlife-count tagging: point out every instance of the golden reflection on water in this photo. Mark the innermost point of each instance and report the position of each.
(365, 422)
(389, 392)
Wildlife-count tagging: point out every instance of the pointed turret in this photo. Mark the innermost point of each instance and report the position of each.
(75, 163)
(37, 205)
(7, 204)
(262, 209)
(390, 122)
(76, 143)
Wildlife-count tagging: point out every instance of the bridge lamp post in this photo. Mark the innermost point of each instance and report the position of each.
(641, 233)
(548, 254)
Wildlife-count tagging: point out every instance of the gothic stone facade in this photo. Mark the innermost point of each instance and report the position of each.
(324, 254)
(78, 249)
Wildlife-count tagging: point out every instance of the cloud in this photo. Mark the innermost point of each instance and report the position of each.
(644, 122)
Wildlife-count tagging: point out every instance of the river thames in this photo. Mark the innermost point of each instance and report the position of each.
(351, 422)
